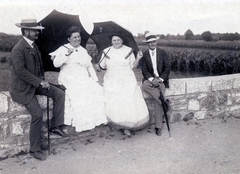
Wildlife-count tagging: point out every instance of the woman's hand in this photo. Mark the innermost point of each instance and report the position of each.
(53, 57)
(70, 51)
(139, 54)
(97, 68)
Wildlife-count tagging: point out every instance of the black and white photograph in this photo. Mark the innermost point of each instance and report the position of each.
(120, 87)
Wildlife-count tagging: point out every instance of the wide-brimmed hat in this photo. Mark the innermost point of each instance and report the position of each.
(150, 37)
(29, 24)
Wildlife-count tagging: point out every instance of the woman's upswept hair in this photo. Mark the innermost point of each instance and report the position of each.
(71, 30)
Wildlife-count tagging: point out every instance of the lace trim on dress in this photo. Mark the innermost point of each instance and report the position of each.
(130, 125)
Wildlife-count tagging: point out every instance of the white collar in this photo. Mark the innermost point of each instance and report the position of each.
(30, 42)
(152, 50)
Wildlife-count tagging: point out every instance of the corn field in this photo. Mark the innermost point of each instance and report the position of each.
(204, 62)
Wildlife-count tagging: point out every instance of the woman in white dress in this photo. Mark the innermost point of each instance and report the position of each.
(84, 104)
(125, 107)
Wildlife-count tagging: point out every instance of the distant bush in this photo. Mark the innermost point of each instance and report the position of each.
(3, 59)
(207, 36)
(4, 80)
(188, 34)
(7, 42)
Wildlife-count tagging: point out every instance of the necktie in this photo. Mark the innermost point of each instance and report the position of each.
(153, 53)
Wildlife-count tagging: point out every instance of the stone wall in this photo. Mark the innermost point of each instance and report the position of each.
(206, 97)
(190, 99)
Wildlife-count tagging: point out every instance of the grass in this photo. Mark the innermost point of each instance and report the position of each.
(4, 71)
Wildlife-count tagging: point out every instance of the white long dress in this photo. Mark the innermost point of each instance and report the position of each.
(125, 106)
(84, 103)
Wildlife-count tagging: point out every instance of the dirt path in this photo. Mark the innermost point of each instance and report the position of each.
(203, 147)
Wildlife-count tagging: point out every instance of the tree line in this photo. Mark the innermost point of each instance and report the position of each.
(205, 36)
(7, 42)
(208, 36)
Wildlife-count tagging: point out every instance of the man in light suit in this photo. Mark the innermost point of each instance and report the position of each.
(27, 81)
(155, 70)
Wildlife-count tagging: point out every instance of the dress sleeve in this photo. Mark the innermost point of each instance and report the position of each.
(92, 73)
(132, 60)
(90, 69)
(59, 57)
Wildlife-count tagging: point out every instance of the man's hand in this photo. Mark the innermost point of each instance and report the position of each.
(45, 84)
(156, 82)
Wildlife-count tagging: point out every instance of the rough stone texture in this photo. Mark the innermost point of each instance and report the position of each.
(3, 103)
(188, 116)
(200, 115)
(178, 103)
(222, 84)
(176, 87)
(43, 102)
(222, 98)
(236, 83)
(193, 105)
(237, 98)
(209, 103)
(195, 98)
(200, 96)
(233, 108)
(198, 86)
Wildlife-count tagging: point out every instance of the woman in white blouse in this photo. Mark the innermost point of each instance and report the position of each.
(84, 105)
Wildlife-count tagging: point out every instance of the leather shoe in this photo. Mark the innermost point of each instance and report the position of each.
(158, 131)
(44, 147)
(73, 132)
(127, 132)
(59, 131)
(38, 155)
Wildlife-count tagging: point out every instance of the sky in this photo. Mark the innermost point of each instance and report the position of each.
(157, 16)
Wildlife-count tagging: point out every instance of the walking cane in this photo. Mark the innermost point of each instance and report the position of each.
(161, 97)
(48, 122)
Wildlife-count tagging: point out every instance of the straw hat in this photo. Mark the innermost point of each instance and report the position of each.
(29, 24)
(150, 37)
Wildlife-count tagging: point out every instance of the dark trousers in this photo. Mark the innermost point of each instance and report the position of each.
(155, 93)
(35, 110)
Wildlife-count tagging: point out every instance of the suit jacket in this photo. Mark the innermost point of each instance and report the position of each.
(163, 66)
(26, 72)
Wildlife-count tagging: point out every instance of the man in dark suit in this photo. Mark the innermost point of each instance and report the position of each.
(28, 80)
(155, 70)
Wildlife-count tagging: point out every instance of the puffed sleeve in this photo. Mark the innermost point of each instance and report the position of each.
(59, 57)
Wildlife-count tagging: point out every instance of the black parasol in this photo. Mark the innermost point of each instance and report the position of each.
(165, 109)
(102, 30)
(54, 35)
